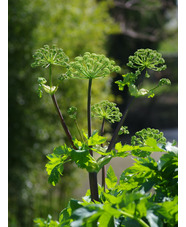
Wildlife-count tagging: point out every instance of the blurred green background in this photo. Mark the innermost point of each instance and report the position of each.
(116, 28)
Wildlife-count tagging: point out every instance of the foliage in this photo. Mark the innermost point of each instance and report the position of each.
(144, 194)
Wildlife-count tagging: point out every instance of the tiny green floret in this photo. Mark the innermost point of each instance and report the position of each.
(47, 56)
(147, 59)
(106, 110)
(90, 66)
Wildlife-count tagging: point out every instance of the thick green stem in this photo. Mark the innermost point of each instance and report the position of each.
(92, 175)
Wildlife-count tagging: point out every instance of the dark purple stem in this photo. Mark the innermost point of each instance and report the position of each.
(62, 121)
(92, 175)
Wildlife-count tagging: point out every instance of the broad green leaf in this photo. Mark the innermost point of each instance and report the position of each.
(151, 145)
(123, 151)
(62, 150)
(169, 210)
(106, 220)
(112, 211)
(103, 161)
(113, 199)
(55, 174)
(84, 160)
(111, 179)
(54, 161)
(96, 139)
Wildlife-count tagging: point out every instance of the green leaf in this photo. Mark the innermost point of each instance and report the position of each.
(123, 151)
(55, 167)
(106, 220)
(55, 174)
(151, 145)
(102, 161)
(62, 150)
(84, 160)
(96, 140)
(111, 179)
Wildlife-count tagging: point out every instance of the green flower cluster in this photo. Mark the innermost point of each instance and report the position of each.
(147, 59)
(47, 56)
(143, 59)
(141, 136)
(91, 66)
(106, 110)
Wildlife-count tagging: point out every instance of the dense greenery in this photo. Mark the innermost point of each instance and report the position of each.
(144, 196)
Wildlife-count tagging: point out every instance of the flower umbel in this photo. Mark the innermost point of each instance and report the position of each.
(91, 66)
(147, 59)
(47, 56)
(106, 110)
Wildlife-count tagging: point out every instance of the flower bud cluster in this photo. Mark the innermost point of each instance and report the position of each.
(106, 110)
(90, 66)
(72, 112)
(50, 56)
(147, 59)
(141, 136)
(164, 81)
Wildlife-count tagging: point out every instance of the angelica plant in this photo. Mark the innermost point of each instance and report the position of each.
(91, 66)
(111, 204)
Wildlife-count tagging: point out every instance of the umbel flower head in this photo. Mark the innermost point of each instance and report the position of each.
(91, 66)
(106, 110)
(47, 56)
(147, 59)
